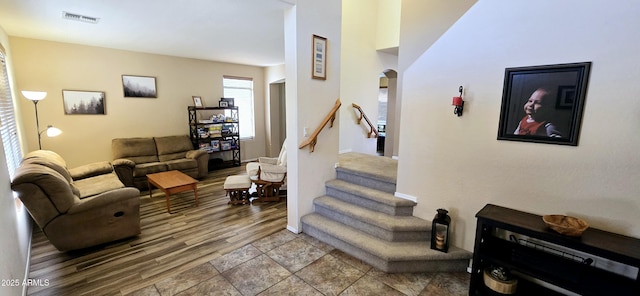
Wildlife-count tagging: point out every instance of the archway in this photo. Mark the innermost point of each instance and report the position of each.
(387, 112)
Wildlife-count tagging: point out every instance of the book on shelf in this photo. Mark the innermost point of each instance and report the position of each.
(225, 145)
(205, 147)
(215, 145)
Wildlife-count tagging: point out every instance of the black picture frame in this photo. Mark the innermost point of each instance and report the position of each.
(230, 102)
(559, 91)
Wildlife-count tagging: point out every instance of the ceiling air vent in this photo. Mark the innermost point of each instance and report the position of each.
(79, 17)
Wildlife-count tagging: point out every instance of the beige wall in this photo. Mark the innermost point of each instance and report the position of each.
(15, 224)
(457, 163)
(360, 73)
(309, 101)
(387, 22)
(52, 67)
(422, 23)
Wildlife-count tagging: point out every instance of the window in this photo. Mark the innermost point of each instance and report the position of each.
(241, 90)
(8, 127)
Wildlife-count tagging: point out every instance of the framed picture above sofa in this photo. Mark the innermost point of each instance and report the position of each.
(139, 86)
(83, 102)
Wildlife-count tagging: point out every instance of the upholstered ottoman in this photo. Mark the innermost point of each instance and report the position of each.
(237, 188)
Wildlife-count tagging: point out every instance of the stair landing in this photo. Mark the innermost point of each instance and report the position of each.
(377, 167)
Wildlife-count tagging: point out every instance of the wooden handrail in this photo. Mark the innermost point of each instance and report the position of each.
(313, 139)
(373, 131)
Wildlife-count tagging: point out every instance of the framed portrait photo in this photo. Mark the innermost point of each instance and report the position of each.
(543, 104)
(319, 58)
(197, 102)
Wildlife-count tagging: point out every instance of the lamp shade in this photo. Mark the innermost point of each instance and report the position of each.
(53, 131)
(34, 95)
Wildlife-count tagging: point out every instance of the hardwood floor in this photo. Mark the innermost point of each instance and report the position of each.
(168, 245)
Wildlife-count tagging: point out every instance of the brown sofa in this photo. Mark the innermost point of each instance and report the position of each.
(134, 158)
(76, 208)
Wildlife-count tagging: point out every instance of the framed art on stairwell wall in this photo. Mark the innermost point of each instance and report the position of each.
(319, 58)
(543, 104)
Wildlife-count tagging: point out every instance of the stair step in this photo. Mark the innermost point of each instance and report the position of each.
(364, 179)
(386, 256)
(383, 226)
(369, 198)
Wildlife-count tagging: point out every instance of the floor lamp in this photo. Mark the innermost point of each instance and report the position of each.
(35, 97)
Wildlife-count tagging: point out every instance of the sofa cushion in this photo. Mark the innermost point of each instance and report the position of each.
(181, 164)
(173, 147)
(144, 169)
(98, 184)
(282, 158)
(140, 150)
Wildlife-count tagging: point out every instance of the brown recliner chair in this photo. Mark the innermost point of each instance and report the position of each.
(77, 208)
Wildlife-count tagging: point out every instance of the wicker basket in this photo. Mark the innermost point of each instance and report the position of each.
(566, 225)
(503, 286)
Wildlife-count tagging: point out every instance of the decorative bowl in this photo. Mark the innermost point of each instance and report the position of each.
(566, 225)
(499, 280)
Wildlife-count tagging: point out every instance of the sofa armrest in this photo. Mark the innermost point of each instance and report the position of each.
(123, 162)
(124, 169)
(103, 199)
(268, 160)
(202, 158)
(90, 170)
(195, 154)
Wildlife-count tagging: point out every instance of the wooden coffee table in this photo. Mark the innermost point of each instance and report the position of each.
(172, 182)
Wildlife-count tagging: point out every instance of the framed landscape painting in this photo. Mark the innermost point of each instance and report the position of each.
(139, 86)
(83, 102)
(543, 104)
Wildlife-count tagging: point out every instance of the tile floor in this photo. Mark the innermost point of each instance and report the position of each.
(289, 264)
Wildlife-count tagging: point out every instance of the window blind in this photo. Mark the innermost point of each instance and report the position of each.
(8, 125)
(241, 90)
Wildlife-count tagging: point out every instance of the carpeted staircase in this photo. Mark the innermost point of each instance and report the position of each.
(360, 216)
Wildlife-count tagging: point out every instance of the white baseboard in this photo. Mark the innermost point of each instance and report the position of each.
(293, 229)
(28, 267)
(406, 196)
(345, 151)
(395, 157)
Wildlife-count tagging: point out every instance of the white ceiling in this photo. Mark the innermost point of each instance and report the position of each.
(247, 32)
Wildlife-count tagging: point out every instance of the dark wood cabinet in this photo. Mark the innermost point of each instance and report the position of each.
(542, 259)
